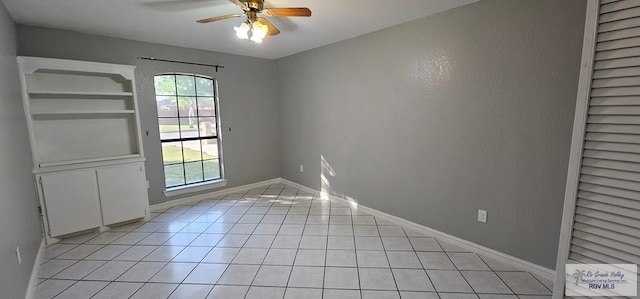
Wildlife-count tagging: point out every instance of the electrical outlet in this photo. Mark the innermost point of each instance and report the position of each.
(147, 184)
(18, 256)
(301, 168)
(482, 216)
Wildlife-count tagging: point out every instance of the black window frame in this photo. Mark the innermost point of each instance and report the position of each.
(178, 117)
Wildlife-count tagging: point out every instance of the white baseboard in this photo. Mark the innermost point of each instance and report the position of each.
(488, 252)
(199, 197)
(33, 279)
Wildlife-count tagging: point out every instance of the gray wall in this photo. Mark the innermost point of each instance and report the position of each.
(248, 97)
(19, 224)
(434, 119)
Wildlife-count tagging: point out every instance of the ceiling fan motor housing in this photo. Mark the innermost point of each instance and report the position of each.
(255, 5)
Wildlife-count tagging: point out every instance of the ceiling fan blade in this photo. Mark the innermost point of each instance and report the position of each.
(240, 4)
(287, 12)
(219, 18)
(273, 30)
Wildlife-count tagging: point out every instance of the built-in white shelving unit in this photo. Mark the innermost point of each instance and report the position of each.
(85, 138)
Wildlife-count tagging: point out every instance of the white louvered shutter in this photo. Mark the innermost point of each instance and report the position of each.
(606, 226)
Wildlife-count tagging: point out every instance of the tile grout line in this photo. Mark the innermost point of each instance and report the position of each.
(465, 278)
(295, 197)
(504, 282)
(228, 232)
(260, 266)
(326, 251)
(419, 260)
(198, 263)
(387, 256)
(355, 252)
(224, 235)
(540, 281)
(295, 257)
(75, 263)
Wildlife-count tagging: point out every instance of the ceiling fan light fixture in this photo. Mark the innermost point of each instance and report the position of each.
(259, 32)
(242, 31)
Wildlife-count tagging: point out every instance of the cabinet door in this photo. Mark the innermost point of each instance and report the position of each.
(71, 201)
(123, 193)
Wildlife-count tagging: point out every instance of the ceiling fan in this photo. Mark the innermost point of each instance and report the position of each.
(258, 27)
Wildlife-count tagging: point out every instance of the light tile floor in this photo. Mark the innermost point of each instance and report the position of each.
(273, 242)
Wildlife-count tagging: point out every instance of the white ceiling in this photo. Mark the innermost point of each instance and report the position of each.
(173, 21)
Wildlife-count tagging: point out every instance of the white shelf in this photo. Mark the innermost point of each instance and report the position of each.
(80, 93)
(80, 161)
(79, 114)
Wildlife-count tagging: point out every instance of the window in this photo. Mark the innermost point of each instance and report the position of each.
(187, 116)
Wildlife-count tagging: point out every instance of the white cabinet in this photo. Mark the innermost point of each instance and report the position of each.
(120, 187)
(78, 200)
(71, 201)
(86, 144)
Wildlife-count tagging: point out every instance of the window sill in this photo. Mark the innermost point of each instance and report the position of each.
(176, 191)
